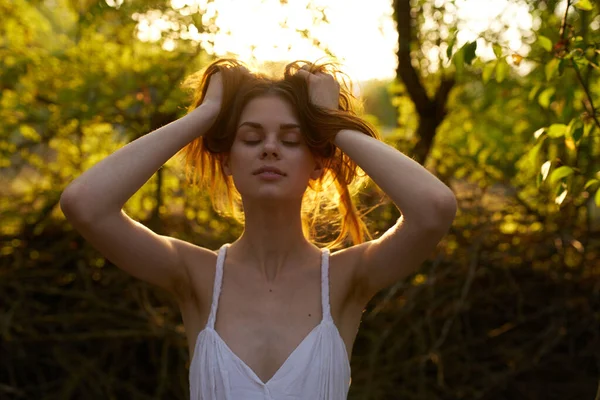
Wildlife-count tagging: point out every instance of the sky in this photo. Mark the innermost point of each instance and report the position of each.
(360, 34)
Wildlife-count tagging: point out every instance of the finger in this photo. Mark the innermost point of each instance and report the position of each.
(303, 73)
(323, 74)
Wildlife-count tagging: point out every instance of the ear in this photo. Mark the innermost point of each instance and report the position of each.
(318, 170)
(226, 165)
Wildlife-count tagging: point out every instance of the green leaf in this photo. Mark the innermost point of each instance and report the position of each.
(497, 50)
(470, 52)
(551, 69)
(557, 130)
(545, 43)
(451, 44)
(575, 129)
(534, 91)
(488, 70)
(459, 61)
(560, 173)
(588, 128)
(584, 5)
(532, 156)
(561, 67)
(597, 198)
(581, 62)
(591, 182)
(546, 96)
(450, 47)
(501, 70)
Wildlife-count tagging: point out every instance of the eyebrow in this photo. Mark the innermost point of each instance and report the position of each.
(259, 126)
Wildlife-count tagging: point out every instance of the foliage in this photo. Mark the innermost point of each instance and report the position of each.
(72, 100)
(507, 308)
(75, 87)
(530, 139)
(564, 147)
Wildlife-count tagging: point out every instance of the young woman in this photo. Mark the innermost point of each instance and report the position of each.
(271, 315)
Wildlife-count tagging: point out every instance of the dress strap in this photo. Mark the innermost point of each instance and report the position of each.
(325, 284)
(217, 286)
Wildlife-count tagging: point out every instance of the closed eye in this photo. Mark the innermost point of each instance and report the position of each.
(286, 142)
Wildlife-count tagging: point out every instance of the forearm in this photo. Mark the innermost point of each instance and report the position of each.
(106, 187)
(417, 193)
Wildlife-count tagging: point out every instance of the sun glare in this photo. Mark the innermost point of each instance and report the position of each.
(361, 36)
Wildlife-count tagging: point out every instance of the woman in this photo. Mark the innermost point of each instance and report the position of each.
(271, 315)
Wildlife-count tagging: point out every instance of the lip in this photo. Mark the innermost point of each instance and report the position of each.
(269, 176)
(268, 170)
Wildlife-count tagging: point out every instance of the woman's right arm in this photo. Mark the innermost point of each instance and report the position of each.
(93, 202)
(106, 187)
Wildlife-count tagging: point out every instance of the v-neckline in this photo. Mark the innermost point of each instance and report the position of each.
(325, 315)
(254, 374)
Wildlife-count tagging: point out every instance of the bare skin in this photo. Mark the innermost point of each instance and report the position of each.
(267, 136)
(263, 322)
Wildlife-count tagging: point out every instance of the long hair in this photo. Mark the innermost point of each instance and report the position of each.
(327, 202)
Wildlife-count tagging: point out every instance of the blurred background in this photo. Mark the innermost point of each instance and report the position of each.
(498, 98)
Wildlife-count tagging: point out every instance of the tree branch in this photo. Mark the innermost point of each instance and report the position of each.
(406, 70)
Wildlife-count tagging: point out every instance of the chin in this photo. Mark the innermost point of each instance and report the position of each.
(275, 194)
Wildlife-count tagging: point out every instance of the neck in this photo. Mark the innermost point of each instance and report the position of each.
(272, 241)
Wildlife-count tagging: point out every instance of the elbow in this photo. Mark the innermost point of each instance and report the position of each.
(67, 204)
(442, 212)
(70, 205)
(449, 205)
(79, 208)
(446, 209)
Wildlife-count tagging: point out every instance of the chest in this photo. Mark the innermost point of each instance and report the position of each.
(263, 323)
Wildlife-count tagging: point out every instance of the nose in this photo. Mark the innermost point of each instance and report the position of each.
(270, 148)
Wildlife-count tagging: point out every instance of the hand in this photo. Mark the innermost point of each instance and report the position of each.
(323, 89)
(214, 93)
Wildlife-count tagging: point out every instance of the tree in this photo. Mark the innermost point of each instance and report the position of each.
(431, 109)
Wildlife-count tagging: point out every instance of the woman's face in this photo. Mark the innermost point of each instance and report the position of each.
(268, 135)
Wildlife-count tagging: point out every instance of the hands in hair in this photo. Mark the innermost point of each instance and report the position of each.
(214, 93)
(323, 88)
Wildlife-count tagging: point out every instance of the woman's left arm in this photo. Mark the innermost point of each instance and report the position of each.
(428, 208)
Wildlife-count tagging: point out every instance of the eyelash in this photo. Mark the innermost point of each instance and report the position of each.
(253, 142)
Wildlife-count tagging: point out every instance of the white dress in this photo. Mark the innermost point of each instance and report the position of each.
(317, 369)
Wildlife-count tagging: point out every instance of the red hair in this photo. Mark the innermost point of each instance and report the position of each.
(203, 157)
